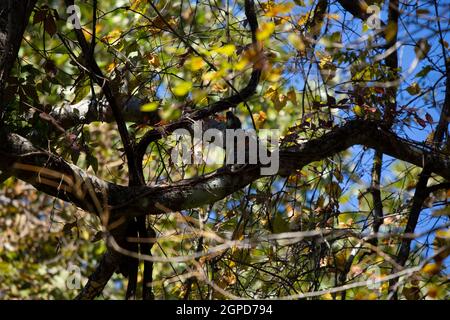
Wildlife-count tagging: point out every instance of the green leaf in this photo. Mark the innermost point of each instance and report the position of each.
(413, 89)
(81, 90)
(424, 72)
(93, 162)
(279, 224)
(182, 88)
(422, 48)
(358, 111)
(149, 107)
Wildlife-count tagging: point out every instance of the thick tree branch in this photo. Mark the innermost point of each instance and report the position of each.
(53, 175)
(68, 115)
(100, 277)
(376, 194)
(421, 192)
(56, 177)
(135, 173)
(14, 17)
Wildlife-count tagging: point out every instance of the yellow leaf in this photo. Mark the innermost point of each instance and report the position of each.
(259, 118)
(112, 37)
(413, 89)
(358, 111)
(324, 60)
(303, 19)
(226, 50)
(326, 296)
(111, 67)
(267, 5)
(279, 100)
(271, 93)
(340, 260)
(85, 235)
(443, 234)
(219, 87)
(433, 291)
(297, 42)
(272, 74)
(153, 59)
(292, 96)
(431, 268)
(195, 63)
(333, 16)
(149, 107)
(242, 64)
(372, 296)
(87, 34)
(199, 96)
(214, 75)
(262, 116)
(265, 31)
(278, 9)
(136, 4)
(182, 88)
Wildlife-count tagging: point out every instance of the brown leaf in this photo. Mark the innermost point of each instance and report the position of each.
(50, 25)
(421, 122)
(39, 16)
(411, 293)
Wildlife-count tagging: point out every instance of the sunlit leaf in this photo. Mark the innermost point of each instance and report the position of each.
(195, 63)
(182, 88)
(226, 50)
(265, 31)
(413, 89)
(149, 107)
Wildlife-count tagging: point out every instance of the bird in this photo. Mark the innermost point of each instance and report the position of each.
(232, 122)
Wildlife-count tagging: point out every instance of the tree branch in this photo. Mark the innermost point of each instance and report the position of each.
(58, 178)
(53, 175)
(14, 17)
(219, 106)
(68, 115)
(103, 82)
(100, 277)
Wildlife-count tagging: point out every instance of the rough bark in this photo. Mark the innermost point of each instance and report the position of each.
(53, 175)
(14, 17)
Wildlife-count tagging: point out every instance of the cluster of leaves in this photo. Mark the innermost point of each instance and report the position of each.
(190, 56)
